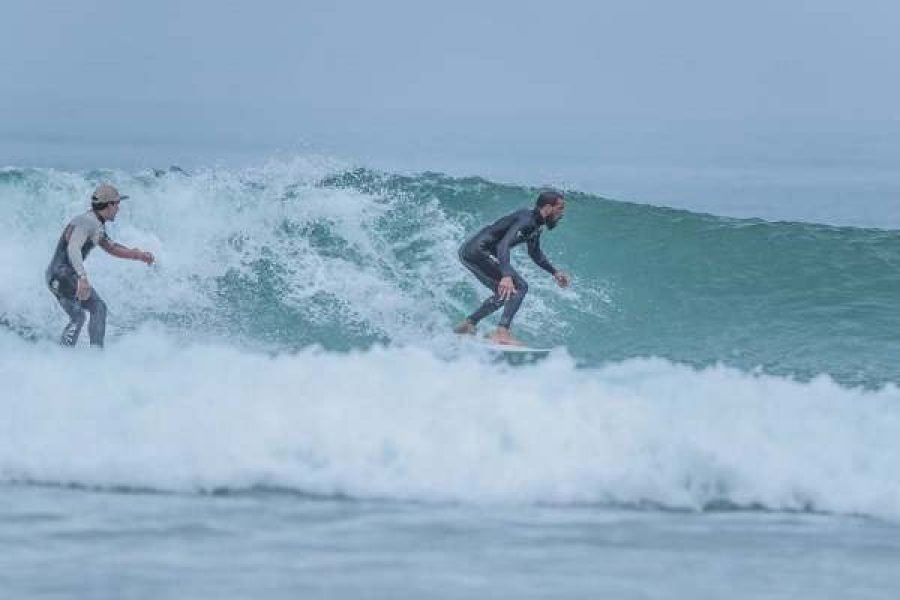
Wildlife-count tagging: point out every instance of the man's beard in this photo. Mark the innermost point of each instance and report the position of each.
(552, 222)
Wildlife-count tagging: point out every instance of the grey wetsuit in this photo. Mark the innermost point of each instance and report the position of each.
(79, 237)
(486, 255)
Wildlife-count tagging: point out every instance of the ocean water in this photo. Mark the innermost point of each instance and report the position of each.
(281, 410)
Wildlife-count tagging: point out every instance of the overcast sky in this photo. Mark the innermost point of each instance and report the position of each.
(267, 72)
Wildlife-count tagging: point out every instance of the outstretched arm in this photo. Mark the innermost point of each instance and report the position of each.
(537, 255)
(120, 251)
(534, 251)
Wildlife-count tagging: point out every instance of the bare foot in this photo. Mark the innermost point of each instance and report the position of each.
(502, 335)
(466, 327)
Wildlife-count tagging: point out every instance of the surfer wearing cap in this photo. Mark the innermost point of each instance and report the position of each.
(486, 255)
(66, 276)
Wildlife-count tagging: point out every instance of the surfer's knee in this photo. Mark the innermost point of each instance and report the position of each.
(521, 287)
(97, 308)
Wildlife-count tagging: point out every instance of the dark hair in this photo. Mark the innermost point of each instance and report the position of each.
(548, 197)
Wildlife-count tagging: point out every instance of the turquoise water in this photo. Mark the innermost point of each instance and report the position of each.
(793, 298)
(292, 256)
(282, 403)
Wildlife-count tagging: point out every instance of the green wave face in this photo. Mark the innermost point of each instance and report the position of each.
(289, 256)
(792, 298)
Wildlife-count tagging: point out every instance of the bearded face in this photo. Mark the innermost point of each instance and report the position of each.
(552, 221)
(556, 214)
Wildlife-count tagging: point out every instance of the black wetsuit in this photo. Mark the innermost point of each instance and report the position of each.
(486, 254)
(77, 240)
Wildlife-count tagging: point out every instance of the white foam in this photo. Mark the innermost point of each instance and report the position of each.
(401, 423)
(221, 221)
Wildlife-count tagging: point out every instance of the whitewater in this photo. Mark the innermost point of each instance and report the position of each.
(283, 391)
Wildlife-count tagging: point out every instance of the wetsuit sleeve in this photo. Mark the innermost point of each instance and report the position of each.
(77, 238)
(507, 240)
(537, 255)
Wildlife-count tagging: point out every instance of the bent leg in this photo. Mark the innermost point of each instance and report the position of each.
(72, 308)
(97, 326)
(485, 269)
(514, 302)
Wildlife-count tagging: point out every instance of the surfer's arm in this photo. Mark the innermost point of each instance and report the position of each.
(506, 241)
(77, 237)
(537, 255)
(120, 251)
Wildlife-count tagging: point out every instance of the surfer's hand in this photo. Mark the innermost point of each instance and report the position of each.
(83, 290)
(506, 288)
(562, 279)
(146, 257)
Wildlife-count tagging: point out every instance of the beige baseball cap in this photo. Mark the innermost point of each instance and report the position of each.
(104, 194)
